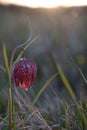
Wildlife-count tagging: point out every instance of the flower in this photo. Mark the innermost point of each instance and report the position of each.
(24, 73)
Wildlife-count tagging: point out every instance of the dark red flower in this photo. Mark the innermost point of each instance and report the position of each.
(24, 73)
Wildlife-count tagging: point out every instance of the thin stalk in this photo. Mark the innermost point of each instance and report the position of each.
(9, 89)
(10, 108)
(12, 57)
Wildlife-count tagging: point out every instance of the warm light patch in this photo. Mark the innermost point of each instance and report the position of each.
(47, 3)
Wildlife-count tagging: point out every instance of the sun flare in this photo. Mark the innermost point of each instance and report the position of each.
(46, 3)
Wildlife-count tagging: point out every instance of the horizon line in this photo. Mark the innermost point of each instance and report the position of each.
(21, 5)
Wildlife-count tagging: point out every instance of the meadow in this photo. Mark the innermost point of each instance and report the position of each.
(58, 98)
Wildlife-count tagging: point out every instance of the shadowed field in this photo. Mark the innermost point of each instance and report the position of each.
(58, 34)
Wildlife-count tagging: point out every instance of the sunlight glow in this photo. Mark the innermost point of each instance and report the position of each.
(46, 3)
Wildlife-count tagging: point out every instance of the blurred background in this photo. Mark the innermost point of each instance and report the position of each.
(62, 35)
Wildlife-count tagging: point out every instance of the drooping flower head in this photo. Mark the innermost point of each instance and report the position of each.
(24, 73)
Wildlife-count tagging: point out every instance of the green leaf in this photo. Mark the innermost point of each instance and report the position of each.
(66, 83)
(69, 89)
(43, 88)
(9, 88)
(6, 62)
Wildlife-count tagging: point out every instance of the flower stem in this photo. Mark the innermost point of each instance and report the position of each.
(12, 57)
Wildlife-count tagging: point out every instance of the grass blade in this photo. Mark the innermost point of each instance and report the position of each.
(4, 120)
(2, 68)
(19, 56)
(9, 88)
(14, 117)
(69, 88)
(66, 83)
(6, 62)
(43, 88)
(76, 65)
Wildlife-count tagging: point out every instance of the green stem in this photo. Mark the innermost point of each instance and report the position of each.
(9, 89)
(10, 108)
(10, 102)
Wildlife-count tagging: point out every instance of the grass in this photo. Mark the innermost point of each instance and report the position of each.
(70, 91)
(23, 113)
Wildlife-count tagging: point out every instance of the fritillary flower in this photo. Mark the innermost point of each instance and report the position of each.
(24, 73)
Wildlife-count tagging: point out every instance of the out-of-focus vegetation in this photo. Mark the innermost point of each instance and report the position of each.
(62, 37)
